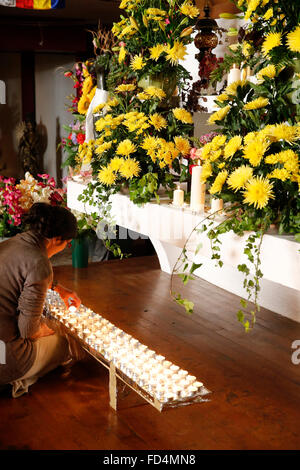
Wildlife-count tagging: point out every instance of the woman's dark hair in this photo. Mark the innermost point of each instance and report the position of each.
(51, 221)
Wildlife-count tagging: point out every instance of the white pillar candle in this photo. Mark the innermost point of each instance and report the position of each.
(197, 189)
(234, 75)
(216, 205)
(178, 197)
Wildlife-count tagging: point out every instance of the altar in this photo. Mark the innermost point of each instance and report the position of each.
(169, 227)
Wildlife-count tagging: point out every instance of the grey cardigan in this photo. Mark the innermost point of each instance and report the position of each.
(25, 275)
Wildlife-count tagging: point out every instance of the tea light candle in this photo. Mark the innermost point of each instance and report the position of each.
(216, 205)
(197, 189)
(234, 74)
(178, 196)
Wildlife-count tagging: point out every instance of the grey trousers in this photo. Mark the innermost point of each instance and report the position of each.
(52, 351)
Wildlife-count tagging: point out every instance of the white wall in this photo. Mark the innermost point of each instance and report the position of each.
(52, 89)
(10, 113)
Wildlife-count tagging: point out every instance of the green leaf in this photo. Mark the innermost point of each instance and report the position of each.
(194, 267)
(243, 303)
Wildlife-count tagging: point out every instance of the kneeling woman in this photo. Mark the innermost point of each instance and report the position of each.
(31, 348)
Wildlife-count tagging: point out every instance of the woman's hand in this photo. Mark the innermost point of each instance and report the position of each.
(68, 294)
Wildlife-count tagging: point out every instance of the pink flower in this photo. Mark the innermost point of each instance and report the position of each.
(44, 176)
(167, 21)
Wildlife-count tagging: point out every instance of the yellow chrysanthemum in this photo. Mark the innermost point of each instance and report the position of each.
(103, 147)
(150, 144)
(155, 92)
(183, 115)
(182, 145)
(122, 54)
(269, 13)
(218, 141)
(126, 147)
(130, 168)
(219, 182)
(206, 171)
(280, 174)
(188, 9)
(272, 40)
(232, 88)
(116, 163)
(99, 108)
(143, 96)
(239, 177)
(91, 94)
(158, 121)
(175, 53)
(255, 150)
(232, 146)
(246, 48)
(282, 131)
(293, 40)
(257, 103)
(219, 115)
(269, 71)
(107, 176)
(223, 97)
(206, 151)
(112, 102)
(124, 88)
(87, 85)
(250, 137)
(258, 191)
(252, 5)
(137, 62)
(83, 104)
(156, 51)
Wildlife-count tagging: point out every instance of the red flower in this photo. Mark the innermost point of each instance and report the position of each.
(191, 168)
(80, 138)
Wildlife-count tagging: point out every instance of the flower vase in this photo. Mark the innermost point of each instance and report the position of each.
(167, 83)
(80, 252)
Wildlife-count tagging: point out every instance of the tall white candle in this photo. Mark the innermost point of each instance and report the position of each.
(197, 189)
(178, 197)
(234, 75)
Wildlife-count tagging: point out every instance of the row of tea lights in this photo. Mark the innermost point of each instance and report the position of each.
(160, 378)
